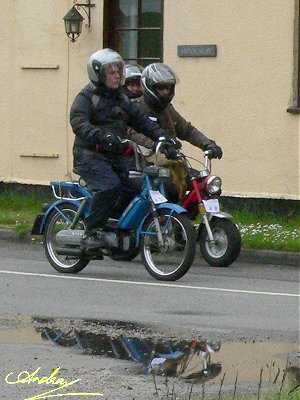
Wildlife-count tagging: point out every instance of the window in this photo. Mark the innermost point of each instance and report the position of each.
(134, 29)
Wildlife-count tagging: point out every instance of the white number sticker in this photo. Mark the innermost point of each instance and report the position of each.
(212, 205)
(157, 197)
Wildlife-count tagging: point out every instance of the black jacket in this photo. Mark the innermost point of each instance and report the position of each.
(112, 112)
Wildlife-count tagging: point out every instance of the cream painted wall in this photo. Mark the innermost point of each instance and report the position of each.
(7, 80)
(41, 73)
(37, 91)
(238, 98)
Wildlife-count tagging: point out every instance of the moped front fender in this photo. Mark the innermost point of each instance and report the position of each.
(210, 216)
(220, 214)
(170, 206)
(40, 229)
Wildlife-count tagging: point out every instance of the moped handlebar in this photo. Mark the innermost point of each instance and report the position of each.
(139, 157)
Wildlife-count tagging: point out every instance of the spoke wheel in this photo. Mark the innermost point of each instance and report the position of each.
(55, 223)
(226, 246)
(172, 260)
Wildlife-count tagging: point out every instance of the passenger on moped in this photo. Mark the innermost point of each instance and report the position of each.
(158, 83)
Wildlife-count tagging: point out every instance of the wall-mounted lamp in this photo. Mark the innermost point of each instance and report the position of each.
(73, 19)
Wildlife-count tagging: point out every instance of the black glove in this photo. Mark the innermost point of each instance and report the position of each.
(112, 143)
(171, 141)
(169, 147)
(170, 152)
(215, 149)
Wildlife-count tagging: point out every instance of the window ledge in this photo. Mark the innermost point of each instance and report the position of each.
(293, 110)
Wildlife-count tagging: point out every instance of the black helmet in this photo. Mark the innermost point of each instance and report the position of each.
(100, 61)
(153, 76)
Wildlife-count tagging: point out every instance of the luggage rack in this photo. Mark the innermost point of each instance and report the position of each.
(62, 190)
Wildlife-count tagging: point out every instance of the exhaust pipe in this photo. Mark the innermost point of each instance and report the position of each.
(64, 251)
(77, 253)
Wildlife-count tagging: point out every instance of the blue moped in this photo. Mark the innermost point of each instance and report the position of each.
(160, 231)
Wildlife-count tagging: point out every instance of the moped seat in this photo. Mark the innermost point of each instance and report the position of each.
(152, 170)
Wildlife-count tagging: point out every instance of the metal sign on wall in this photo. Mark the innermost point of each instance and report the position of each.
(200, 50)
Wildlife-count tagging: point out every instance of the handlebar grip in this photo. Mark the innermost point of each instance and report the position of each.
(209, 154)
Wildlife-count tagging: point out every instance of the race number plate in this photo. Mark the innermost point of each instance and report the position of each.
(157, 197)
(212, 205)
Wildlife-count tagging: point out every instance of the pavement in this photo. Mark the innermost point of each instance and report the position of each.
(246, 255)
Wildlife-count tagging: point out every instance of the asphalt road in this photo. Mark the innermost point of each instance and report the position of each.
(252, 309)
(244, 299)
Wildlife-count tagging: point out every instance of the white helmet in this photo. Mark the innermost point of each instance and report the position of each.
(133, 73)
(100, 61)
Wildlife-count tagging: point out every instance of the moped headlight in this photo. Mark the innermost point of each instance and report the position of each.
(214, 184)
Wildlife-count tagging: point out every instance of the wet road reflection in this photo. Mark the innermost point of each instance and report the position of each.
(193, 359)
(184, 359)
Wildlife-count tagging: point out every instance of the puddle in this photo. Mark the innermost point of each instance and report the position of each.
(192, 359)
(18, 330)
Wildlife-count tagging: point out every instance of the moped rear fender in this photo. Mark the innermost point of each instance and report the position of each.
(174, 207)
(42, 223)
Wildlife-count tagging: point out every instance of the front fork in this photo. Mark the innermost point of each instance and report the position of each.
(202, 210)
(207, 226)
(157, 225)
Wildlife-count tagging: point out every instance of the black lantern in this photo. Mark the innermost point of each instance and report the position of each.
(73, 20)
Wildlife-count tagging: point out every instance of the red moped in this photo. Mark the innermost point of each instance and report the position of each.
(218, 237)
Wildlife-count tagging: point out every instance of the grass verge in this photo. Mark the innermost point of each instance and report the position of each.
(18, 211)
(268, 231)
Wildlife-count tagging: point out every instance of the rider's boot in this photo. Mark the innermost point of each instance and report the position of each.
(92, 241)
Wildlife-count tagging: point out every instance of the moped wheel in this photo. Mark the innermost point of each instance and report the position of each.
(171, 261)
(55, 223)
(227, 245)
(128, 255)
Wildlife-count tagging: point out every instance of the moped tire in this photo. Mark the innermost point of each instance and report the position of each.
(128, 255)
(54, 224)
(227, 246)
(174, 260)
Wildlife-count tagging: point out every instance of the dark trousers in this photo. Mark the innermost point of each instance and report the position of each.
(107, 177)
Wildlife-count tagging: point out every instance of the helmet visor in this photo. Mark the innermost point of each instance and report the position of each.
(116, 66)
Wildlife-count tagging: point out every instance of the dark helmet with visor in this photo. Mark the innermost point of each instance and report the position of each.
(100, 61)
(156, 76)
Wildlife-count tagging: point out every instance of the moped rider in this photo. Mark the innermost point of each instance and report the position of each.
(158, 83)
(100, 116)
(132, 85)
